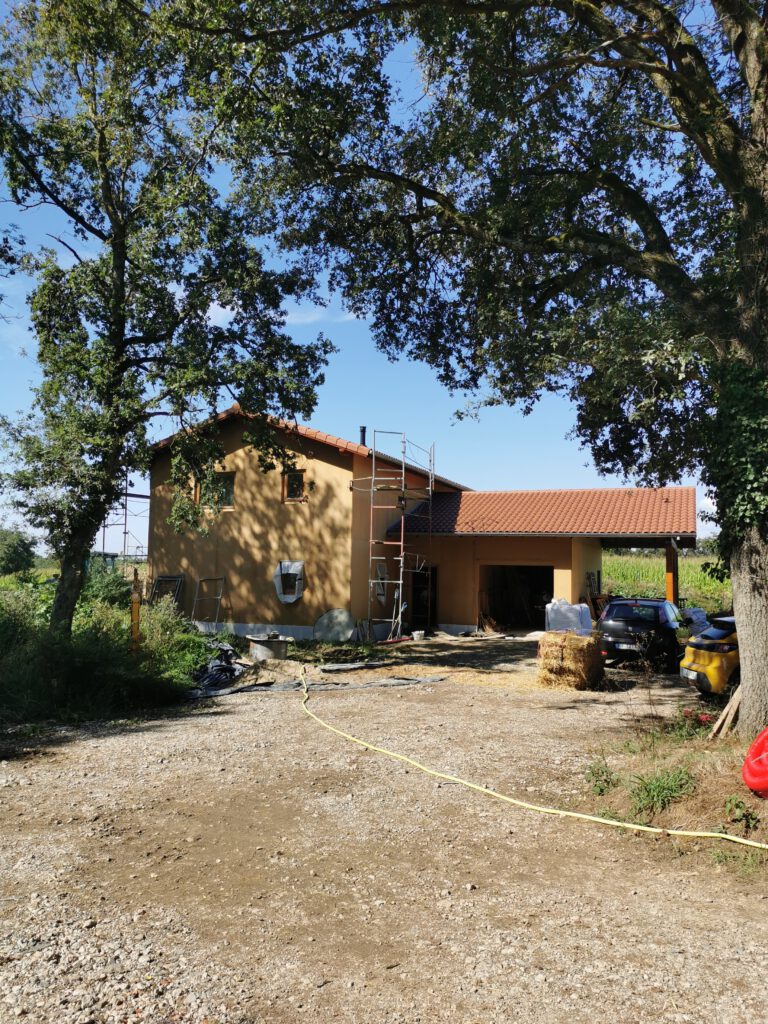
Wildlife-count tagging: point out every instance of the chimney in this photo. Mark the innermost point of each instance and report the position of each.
(362, 436)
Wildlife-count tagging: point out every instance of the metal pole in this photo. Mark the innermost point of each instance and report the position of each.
(125, 521)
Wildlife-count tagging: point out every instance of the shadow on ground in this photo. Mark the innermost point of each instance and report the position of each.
(36, 739)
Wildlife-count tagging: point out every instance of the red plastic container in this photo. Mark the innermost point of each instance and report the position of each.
(754, 771)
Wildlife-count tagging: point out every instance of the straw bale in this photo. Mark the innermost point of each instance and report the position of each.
(569, 660)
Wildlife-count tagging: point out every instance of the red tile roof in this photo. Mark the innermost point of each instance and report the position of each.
(606, 512)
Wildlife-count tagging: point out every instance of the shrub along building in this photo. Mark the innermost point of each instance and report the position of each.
(335, 528)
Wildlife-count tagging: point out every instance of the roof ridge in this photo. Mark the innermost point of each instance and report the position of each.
(577, 490)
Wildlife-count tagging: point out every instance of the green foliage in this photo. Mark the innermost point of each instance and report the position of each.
(168, 306)
(643, 576)
(171, 646)
(653, 793)
(106, 585)
(737, 459)
(25, 602)
(738, 813)
(601, 777)
(524, 230)
(17, 552)
(91, 674)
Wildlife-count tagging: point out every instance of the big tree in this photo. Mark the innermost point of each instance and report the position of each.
(573, 197)
(151, 301)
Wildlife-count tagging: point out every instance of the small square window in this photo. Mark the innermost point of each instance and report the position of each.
(293, 485)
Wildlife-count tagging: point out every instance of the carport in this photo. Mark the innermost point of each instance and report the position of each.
(509, 552)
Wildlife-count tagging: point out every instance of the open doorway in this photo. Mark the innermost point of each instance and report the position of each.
(424, 599)
(516, 596)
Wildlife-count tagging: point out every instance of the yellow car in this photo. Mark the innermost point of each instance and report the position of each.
(711, 659)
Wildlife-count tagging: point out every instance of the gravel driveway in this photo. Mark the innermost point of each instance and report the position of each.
(241, 864)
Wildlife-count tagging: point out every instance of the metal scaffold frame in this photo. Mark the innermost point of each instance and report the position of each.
(392, 489)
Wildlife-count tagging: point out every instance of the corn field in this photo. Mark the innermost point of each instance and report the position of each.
(643, 576)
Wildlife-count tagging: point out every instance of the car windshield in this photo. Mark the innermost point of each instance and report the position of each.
(633, 613)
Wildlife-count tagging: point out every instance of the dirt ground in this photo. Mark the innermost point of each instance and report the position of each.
(240, 864)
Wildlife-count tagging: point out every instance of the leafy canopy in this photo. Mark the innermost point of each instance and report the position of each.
(156, 301)
(17, 552)
(573, 199)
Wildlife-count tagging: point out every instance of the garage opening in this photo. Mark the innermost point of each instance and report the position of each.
(515, 596)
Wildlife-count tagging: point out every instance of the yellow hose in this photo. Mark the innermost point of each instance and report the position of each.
(627, 825)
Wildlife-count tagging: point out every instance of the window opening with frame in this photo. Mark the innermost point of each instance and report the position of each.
(293, 485)
(226, 496)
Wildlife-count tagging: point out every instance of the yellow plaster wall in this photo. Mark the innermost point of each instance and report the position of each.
(246, 543)
(587, 556)
(458, 561)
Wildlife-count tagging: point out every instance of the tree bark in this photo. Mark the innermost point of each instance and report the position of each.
(749, 576)
(71, 580)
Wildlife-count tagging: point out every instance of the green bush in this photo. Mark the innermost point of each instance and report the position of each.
(172, 647)
(105, 585)
(93, 674)
(601, 777)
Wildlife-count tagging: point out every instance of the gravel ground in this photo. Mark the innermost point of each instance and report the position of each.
(242, 864)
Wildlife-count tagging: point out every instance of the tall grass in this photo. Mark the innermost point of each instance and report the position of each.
(643, 576)
(93, 673)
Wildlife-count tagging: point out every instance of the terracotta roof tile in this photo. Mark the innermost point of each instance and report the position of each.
(605, 512)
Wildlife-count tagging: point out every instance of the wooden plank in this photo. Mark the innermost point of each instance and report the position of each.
(733, 708)
(726, 715)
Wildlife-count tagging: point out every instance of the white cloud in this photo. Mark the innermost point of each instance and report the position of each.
(301, 316)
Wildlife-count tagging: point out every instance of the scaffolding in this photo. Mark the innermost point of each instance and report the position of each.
(403, 486)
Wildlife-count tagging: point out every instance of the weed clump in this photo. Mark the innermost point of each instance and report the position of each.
(738, 813)
(653, 793)
(690, 723)
(601, 777)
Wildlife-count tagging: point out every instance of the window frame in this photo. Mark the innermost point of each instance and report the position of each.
(225, 506)
(285, 497)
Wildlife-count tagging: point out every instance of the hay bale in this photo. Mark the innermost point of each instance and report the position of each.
(569, 660)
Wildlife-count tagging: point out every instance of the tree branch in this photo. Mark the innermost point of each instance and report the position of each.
(31, 167)
(656, 264)
(746, 32)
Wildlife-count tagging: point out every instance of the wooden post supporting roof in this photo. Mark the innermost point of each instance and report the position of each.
(672, 582)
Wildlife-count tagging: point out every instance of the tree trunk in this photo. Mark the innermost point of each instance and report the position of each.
(749, 575)
(71, 580)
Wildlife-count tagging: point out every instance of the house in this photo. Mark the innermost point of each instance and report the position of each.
(348, 527)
